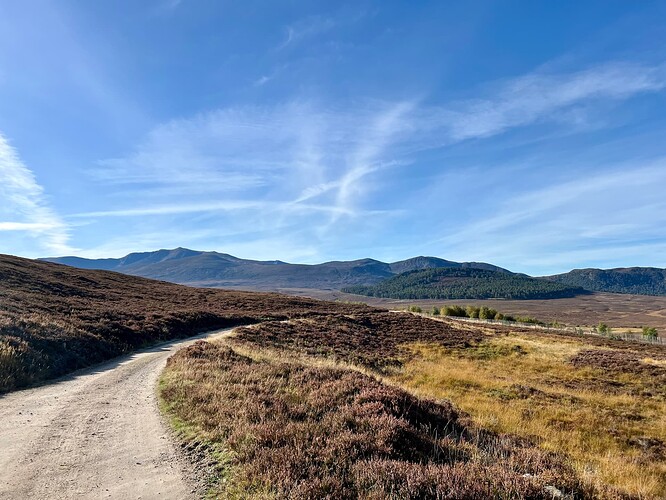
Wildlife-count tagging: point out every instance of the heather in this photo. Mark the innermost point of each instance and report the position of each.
(56, 319)
(292, 430)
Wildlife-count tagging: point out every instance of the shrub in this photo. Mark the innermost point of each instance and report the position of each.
(473, 311)
(487, 313)
(455, 311)
(435, 311)
(650, 332)
(603, 329)
(415, 309)
(528, 320)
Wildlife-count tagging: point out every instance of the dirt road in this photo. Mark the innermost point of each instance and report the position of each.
(96, 434)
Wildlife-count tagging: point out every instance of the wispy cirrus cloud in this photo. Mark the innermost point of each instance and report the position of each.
(300, 150)
(281, 156)
(590, 218)
(305, 28)
(302, 164)
(540, 97)
(24, 207)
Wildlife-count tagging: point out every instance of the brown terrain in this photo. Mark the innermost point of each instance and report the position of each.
(623, 311)
(535, 414)
(56, 319)
(315, 399)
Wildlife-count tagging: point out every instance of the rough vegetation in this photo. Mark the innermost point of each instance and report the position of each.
(371, 339)
(289, 430)
(482, 312)
(55, 319)
(342, 400)
(548, 389)
(603, 405)
(467, 283)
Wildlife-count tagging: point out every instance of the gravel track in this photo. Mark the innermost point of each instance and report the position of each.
(95, 434)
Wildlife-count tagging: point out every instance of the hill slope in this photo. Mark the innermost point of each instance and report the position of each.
(465, 283)
(55, 319)
(634, 280)
(213, 269)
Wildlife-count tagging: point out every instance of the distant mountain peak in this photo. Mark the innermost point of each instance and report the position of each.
(183, 265)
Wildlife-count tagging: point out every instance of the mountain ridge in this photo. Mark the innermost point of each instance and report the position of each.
(631, 280)
(222, 270)
(215, 269)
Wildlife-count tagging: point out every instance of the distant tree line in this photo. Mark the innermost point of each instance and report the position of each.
(454, 283)
(639, 280)
(482, 312)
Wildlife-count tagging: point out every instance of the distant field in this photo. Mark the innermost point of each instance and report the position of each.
(617, 310)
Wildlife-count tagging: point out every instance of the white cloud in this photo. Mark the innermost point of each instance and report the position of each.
(539, 97)
(298, 151)
(306, 28)
(278, 157)
(300, 164)
(591, 216)
(24, 207)
(263, 80)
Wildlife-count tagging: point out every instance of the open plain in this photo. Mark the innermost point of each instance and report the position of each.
(621, 311)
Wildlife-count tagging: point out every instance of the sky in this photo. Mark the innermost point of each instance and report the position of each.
(528, 134)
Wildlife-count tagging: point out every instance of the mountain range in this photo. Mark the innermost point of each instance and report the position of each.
(214, 269)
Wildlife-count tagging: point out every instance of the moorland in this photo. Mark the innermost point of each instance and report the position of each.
(56, 319)
(312, 398)
(391, 405)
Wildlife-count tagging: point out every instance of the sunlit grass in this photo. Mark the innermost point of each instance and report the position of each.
(611, 426)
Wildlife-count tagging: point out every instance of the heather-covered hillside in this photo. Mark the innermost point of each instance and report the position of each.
(55, 319)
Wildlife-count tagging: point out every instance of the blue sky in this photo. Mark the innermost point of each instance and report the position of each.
(526, 134)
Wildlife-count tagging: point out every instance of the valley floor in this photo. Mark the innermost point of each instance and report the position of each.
(620, 311)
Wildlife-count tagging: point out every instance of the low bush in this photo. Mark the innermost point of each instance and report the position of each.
(650, 332)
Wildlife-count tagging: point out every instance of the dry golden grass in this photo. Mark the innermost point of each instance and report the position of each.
(298, 427)
(610, 423)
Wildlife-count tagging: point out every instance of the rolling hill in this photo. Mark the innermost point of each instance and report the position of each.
(465, 283)
(55, 319)
(213, 269)
(634, 280)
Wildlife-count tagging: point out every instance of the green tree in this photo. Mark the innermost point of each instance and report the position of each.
(456, 311)
(650, 332)
(473, 311)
